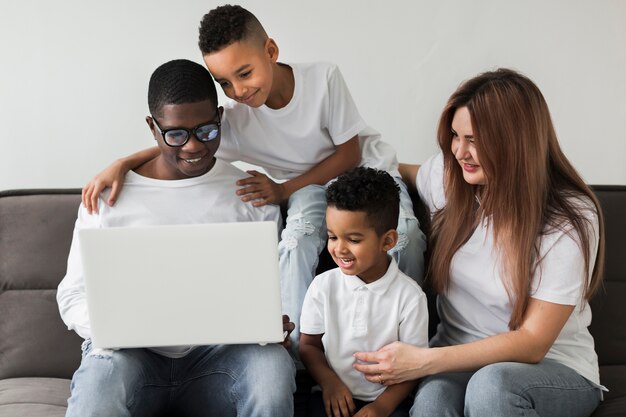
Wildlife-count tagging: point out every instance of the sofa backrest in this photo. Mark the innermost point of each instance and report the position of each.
(35, 235)
(609, 304)
(36, 232)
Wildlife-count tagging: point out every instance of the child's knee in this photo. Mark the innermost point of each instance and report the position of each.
(410, 236)
(300, 230)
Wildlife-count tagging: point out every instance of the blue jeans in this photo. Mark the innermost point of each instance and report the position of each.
(304, 237)
(409, 251)
(301, 242)
(547, 389)
(220, 380)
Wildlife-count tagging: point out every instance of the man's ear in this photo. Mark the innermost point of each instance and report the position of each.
(271, 49)
(390, 238)
(220, 110)
(150, 123)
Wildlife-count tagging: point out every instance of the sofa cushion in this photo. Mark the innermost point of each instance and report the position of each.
(35, 243)
(35, 236)
(27, 397)
(608, 325)
(611, 408)
(31, 332)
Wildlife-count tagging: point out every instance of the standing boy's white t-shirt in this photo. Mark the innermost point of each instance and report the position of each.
(288, 142)
(477, 305)
(355, 316)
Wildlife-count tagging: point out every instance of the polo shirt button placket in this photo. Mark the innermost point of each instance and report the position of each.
(359, 326)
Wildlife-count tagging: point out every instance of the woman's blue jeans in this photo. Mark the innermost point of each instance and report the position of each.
(508, 389)
(220, 380)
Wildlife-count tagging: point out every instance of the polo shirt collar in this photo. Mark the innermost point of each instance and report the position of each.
(378, 287)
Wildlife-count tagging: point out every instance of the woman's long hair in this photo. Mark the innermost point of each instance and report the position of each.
(528, 191)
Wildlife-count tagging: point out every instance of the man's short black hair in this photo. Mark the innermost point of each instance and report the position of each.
(228, 24)
(177, 82)
(370, 190)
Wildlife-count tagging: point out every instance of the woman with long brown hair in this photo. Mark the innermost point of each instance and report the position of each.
(516, 250)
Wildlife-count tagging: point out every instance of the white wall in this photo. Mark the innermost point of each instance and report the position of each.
(74, 73)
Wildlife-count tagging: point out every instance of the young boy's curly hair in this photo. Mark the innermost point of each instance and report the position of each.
(228, 24)
(369, 190)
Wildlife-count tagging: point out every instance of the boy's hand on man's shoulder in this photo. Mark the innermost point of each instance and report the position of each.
(260, 190)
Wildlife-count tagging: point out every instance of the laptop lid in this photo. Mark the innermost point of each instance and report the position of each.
(179, 285)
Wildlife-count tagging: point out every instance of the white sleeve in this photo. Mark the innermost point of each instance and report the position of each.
(229, 146)
(561, 276)
(413, 328)
(344, 120)
(313, 309)
(429, 183)
(71, 296)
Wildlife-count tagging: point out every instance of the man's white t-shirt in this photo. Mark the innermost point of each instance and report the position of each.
(359, 317)
(477, 306)
(288, 142)
(209, 198)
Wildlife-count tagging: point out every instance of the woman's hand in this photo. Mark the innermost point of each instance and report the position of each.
(393, 363)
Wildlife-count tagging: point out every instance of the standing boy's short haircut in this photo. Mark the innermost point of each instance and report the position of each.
(370, 190)
(177, 82)
(228, 24)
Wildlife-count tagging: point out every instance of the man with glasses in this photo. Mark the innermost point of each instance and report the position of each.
(185, 183)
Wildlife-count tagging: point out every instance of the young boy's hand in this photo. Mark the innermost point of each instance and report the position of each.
(113, 176)
(371, 410)
(338, 400)
(260, 189)
(288, 327)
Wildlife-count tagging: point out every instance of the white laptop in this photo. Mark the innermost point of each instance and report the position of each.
(181, 285)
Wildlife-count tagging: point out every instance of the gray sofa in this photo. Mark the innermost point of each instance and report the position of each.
(38, 354)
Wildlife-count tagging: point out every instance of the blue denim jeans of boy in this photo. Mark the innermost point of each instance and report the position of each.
(304, 237)
(302, 240)
(409, 251)
(220, 380)
(547, 389)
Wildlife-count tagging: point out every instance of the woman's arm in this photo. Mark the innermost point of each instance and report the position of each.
(400, 362)
(408, 172)
(260, 188)
(113, 176)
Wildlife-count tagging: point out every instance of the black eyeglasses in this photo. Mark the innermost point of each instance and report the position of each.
(179, 136)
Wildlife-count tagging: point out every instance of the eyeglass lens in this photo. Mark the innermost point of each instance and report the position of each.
(204, 133)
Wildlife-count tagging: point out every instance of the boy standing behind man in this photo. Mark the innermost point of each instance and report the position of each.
(300, 124)
(365, 302)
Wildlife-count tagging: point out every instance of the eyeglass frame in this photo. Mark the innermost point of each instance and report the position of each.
(190, 132)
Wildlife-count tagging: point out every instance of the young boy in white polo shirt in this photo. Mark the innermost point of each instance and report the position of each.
(364, 304)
